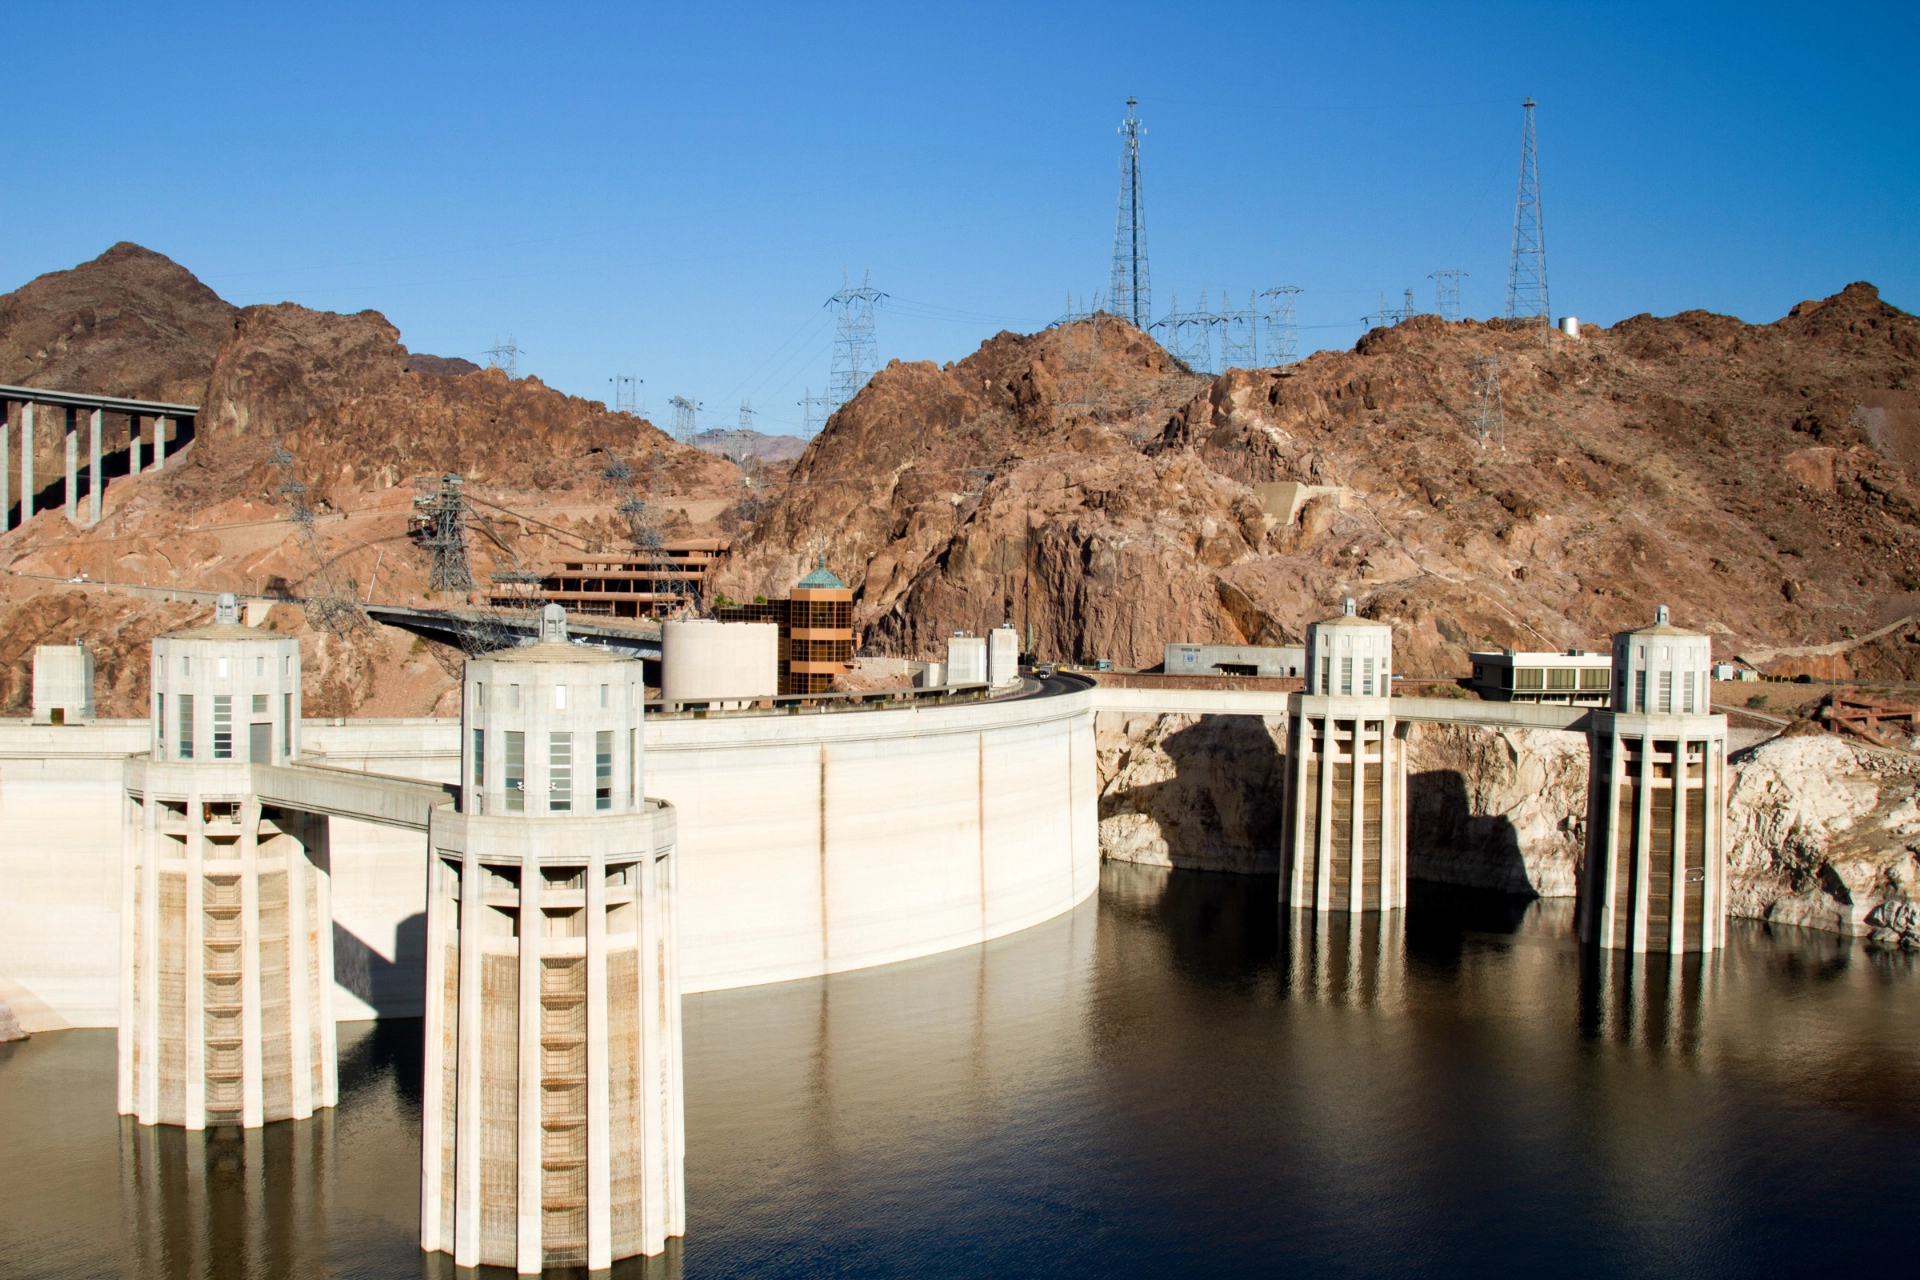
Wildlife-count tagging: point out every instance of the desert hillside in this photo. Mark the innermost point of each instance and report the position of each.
(1758, 478)
(354, 419)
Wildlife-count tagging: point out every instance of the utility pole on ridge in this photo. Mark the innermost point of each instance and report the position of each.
(1131, 293)
(1527, 272)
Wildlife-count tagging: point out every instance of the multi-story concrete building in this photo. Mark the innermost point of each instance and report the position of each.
(552, 1122)
(1655, 874)
(226, 927)
(1346, 801)
(1575, 677)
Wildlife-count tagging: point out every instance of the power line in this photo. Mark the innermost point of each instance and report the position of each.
(1130, 293)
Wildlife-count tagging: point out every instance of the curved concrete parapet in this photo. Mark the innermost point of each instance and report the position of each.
(817, 843)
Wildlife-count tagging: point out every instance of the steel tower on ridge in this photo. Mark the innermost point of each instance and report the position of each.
(1527, 273)
(1131, 293)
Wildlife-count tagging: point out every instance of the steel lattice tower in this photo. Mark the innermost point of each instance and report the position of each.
(685, 419)
(1490, 422)
(1527, 274)
(626, 393)
(854, 358)
(505, 356)
(1283, 335)
(1239, 339)
(442, 521)
(1446, 293)
(1131, 292)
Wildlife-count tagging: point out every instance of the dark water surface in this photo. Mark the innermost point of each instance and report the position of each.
(1173, 1081)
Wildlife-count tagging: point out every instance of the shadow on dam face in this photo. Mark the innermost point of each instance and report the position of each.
(393, 988)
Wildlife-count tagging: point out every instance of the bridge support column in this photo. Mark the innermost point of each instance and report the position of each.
(94, 474)
(26, 463)
(133, 446)
(6, 468)
(73, 467)
(1656, 865)
(160, 444)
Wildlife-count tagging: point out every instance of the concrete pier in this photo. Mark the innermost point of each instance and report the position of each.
(133, 446)
(73, 467)
(159, 444)
(552, 1110)
(226, 1002)
(1347, 774)
(1656, 868)
(26, 462)
(95, 482)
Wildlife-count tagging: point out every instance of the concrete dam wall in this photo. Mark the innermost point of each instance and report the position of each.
(807, 844)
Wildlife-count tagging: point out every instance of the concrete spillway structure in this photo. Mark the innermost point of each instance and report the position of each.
(226, 1001)
(552, 1119)
(1656, 868)
(1347, 774)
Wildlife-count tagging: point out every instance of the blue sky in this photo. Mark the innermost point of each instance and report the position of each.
(673, 192)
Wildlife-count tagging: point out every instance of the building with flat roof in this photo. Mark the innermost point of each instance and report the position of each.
(1575, 677)
(624, 584)
(1234, 660)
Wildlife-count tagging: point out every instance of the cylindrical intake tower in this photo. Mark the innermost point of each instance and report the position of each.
(552, 1117)
(1347, 774)
(226, 1004)
(1656, 868)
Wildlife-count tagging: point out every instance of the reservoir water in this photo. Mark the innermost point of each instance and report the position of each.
(1173, 1080)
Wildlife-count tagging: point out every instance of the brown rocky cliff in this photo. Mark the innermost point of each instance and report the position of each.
(1751, 475)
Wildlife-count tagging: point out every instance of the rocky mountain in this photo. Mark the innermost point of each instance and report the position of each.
(1759, 478)
(360, 418)
(739, 445)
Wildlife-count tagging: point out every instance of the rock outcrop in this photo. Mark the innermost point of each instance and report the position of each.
(1497, 809)
(1825, 833)
(1204, 793)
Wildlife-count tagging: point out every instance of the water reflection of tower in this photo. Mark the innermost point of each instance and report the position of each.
(1653, 1001)
(226, 1201)
(1355, 959)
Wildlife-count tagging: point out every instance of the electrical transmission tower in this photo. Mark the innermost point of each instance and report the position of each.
(1383, 317)
(626, 393)
(854, 358)
(1407, 308)
(746, 415)
(441, 521)
(1239, 340)
(1283, 335)
(1527, 273)
(686, 415)
(1188, 335)
(326, 605)
(817, 410)
(1446, 293)
(1490, 419)
(506, 356)
(1131, 292)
